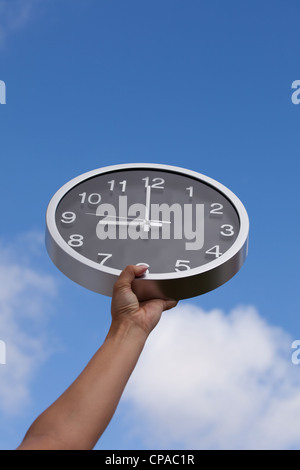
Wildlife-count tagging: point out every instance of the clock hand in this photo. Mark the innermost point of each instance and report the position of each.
(160, 222)
(147, 209)
(124, 221)
(131, 222)
(148, 223)
(128, 220)
(112, 216)
(119, 222)
(154, 223)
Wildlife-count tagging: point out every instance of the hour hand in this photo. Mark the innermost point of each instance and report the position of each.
(110, 220)
(134, 221)
(118, 220)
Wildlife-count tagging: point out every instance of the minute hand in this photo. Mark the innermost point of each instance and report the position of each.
(147, 208)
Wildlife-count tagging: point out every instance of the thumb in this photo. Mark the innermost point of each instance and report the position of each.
(128, 275)
(169, 303)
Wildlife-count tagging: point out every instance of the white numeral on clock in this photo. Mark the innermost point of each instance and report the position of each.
(227, 230)
(75, 240)
(215, 251)
(218, 208)
(157, 183)
(106, 256)
(182, 263)
(93, 198)
(68, 217)
(190, 190)
(121, 183)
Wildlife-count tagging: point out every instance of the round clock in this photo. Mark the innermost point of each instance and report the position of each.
(190, 230)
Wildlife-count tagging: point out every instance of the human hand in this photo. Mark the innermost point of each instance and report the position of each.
(126, 307)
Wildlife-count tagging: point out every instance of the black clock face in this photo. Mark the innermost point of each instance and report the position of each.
(170, 221)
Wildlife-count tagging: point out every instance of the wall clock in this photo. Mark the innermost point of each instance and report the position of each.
(190, 230)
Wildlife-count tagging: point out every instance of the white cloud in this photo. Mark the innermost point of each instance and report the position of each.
(14, 14)
(216, 381)
(26, 297)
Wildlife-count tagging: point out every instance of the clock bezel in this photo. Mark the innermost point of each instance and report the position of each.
(100, 278)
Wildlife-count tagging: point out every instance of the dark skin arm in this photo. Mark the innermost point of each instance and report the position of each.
(77, 419)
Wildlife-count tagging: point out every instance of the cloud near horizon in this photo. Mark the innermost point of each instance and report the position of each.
(211, 380)
(26, 297)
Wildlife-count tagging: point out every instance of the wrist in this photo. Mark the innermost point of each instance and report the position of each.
(127, 331)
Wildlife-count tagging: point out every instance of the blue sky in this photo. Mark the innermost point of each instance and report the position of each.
(204, 85)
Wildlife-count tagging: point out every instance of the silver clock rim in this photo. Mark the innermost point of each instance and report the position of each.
(65, 256)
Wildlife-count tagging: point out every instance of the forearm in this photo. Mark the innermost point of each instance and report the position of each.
(79, 417)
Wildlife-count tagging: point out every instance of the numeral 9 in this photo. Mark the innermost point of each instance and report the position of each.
(68, 217)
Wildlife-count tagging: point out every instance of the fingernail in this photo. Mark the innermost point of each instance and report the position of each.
(142, 267)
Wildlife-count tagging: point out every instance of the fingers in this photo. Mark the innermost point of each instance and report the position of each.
(168, 304)
(154, 308)
(126, 278)
(129, 274)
